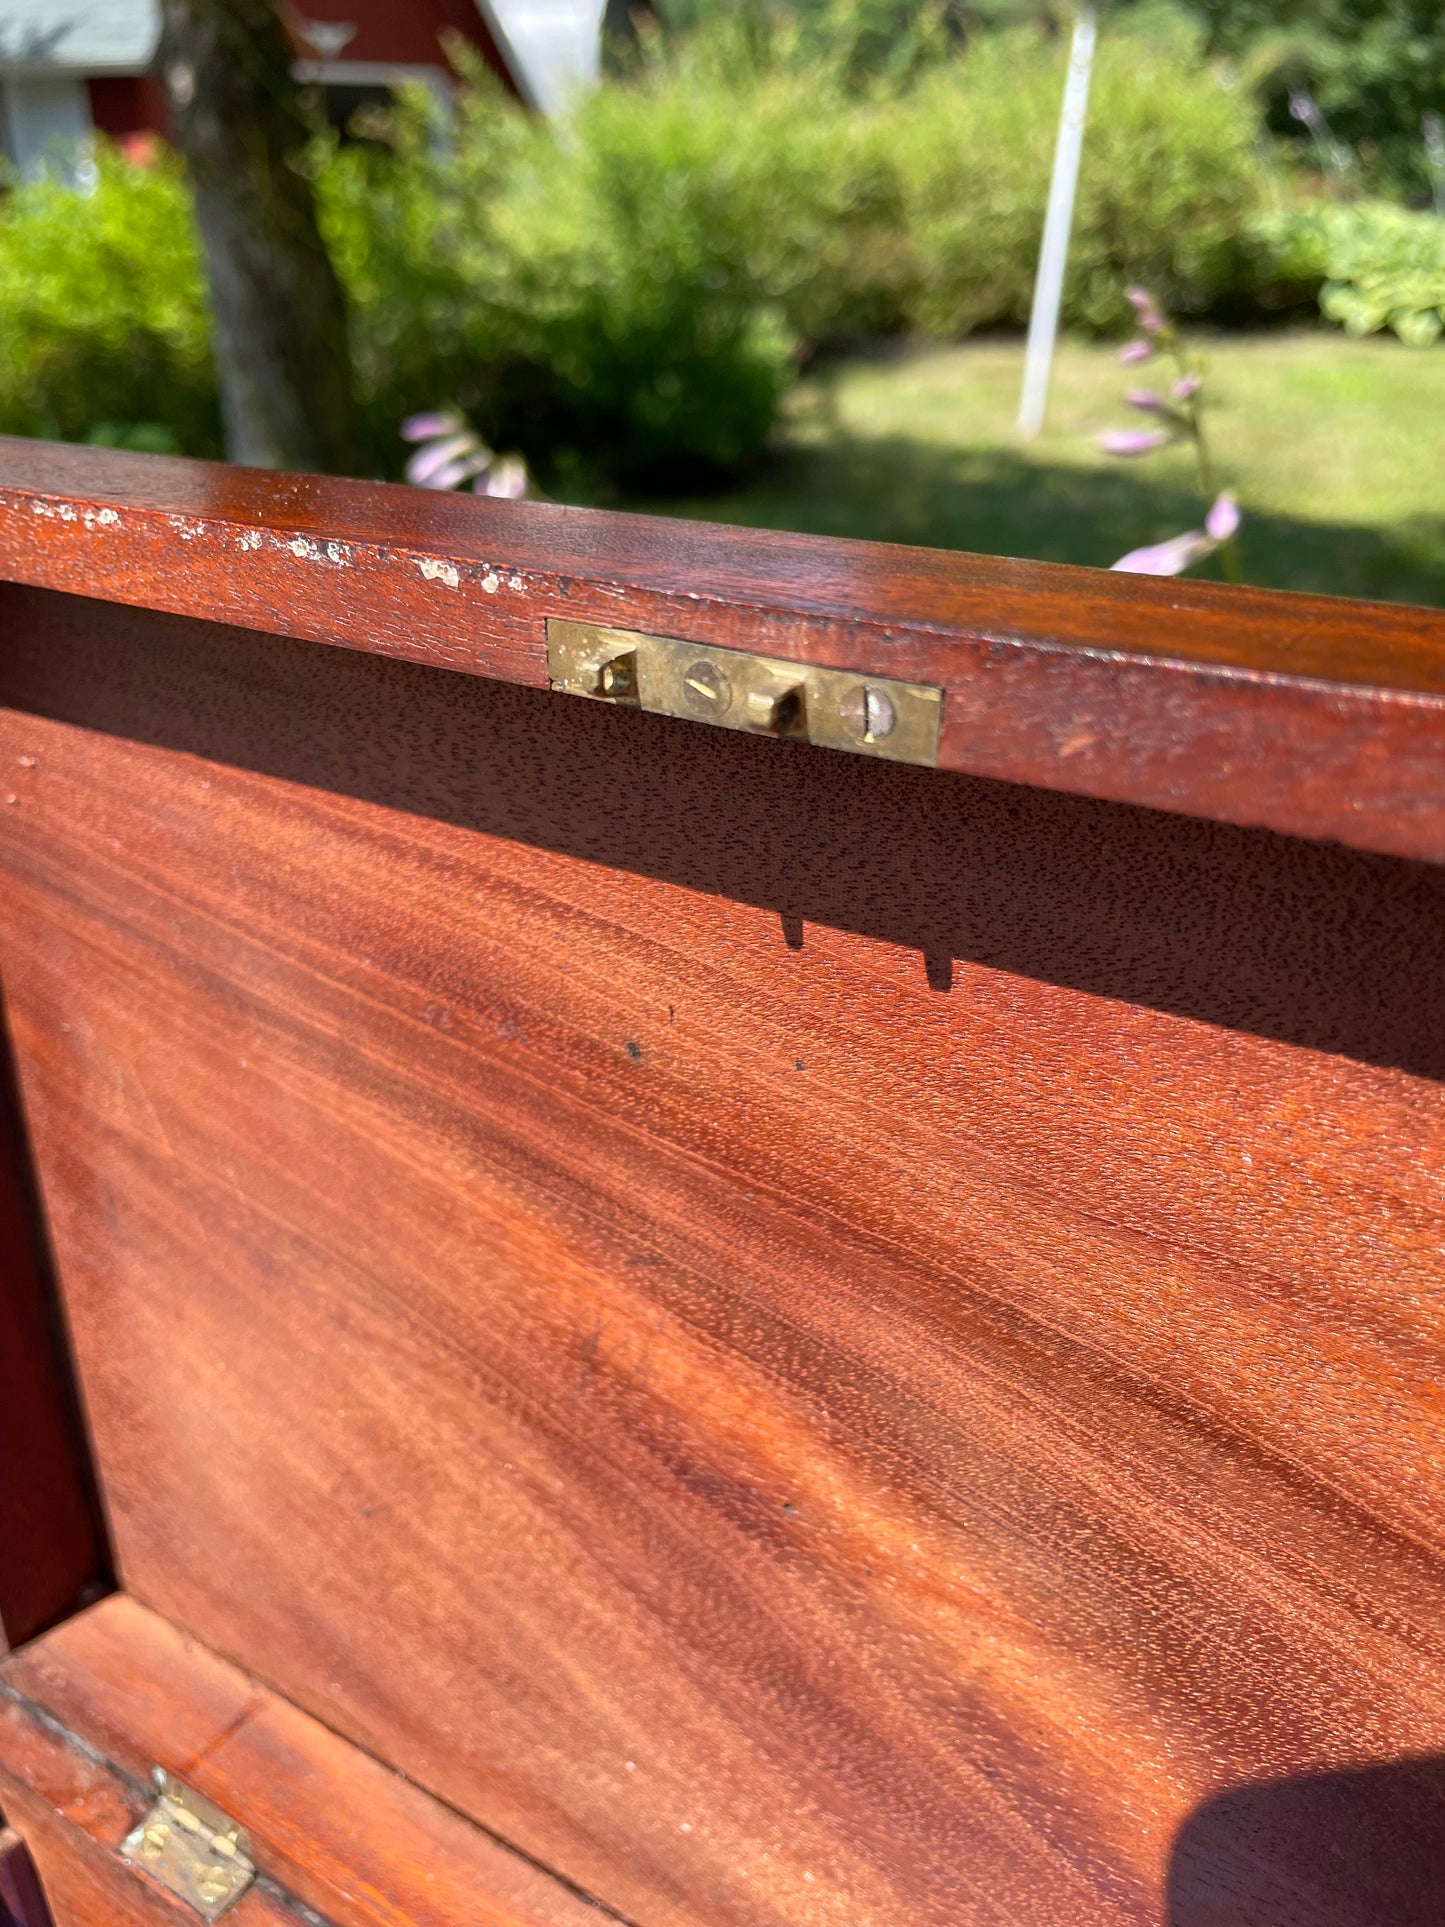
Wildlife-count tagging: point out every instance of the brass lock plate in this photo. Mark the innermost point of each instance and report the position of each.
(192, 1849)
(835, 708)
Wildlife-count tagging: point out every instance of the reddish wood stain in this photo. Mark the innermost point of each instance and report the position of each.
(805, 1341)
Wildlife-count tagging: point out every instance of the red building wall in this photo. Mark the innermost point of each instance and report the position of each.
(405, 31)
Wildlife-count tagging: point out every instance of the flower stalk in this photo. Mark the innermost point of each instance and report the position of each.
(1177, 416)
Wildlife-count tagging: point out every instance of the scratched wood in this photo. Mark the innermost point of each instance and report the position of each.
(340, 1832)
(1303, 713)
(807, 1341)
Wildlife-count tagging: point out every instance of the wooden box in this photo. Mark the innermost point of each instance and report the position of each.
(607, 1318)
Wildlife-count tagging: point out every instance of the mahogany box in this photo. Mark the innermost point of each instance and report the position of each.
(707, 1229)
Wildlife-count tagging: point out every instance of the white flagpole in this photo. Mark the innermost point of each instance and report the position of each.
(1049, 287)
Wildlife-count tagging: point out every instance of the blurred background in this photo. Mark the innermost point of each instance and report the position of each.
(760, 261)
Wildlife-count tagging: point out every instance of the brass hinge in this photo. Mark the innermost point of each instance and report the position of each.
(835, 708)
(192, 1848)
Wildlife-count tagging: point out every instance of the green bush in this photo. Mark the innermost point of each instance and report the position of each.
(582, 290)
(1381, 266)
(103, 323)
(1374, 67)
(1169, 182)
(621, 296)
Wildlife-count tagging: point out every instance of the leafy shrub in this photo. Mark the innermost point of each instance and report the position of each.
(620, 296)
(1382, 266)
(103, 321)
(580, 289)
(1374, 67)
(1169, 181)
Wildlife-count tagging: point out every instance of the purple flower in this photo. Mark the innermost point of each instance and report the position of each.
(1223, 519)
(1133, 441)
(1147, 400)
(1151, 320)
(1186, 388)
(1303, 109)
(507, 479)
(453, 474)
(426, 428)
(1133, 352)
(436, 457)
(1167, 558)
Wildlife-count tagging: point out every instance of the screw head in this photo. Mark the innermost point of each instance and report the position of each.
(867, 713)
(707, 690)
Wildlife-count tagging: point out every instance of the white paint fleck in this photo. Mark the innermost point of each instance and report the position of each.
(491, 582)
(438, 571)
(303, 550)
(515, 582)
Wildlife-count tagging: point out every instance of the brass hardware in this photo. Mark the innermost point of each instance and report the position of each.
(778, 707)
(611, 674)
(191, 1848)
(835, 708)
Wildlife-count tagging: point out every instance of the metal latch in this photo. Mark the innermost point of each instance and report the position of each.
(836, 708)
(191, 1847)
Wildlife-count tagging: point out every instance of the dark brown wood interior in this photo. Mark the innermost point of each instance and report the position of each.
(807, 1341)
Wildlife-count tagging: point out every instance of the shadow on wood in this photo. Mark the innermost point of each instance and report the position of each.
(1307, 943)
(1349, 1849)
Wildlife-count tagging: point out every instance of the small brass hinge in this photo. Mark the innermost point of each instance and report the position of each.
(835, 708)
(191, 1847)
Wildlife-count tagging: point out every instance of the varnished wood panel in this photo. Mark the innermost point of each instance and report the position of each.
(1305, 713)
(337, 1830)
(53, 1552)
(809, 1342)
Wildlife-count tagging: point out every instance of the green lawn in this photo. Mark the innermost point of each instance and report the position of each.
(1335, 447)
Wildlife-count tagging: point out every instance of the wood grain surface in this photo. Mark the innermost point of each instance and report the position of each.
(1303, 713)
(336, 1830)
(54, 1556)
(808, 1341)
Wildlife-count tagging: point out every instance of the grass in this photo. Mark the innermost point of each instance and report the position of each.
(1336, 448)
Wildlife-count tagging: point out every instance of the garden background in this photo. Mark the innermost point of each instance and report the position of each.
(776, 267)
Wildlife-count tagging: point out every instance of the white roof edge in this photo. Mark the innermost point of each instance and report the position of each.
(521, 79)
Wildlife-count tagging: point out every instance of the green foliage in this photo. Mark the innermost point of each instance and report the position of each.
(621, 296)
(855, 43)
(1373, 66)
(103, 325)
(582, 290)
(1382, 266)
(1169, 180)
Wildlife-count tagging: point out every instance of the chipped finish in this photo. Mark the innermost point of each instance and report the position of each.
(1304, 714)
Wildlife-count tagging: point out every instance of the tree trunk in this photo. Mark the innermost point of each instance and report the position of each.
(282, 355)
